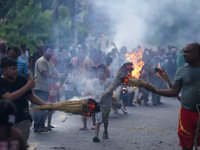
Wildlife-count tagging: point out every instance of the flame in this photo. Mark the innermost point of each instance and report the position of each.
(136, 59)
(91, 106)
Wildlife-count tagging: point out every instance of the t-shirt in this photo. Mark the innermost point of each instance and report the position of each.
(25, 56)
(35, 57)
(2, 55)
(98, 91)
(86, 65)
(22, 67)
(63, 59)
(53, 92)
(22, 102)
(189, 78)
(42, 83)
(70, 86)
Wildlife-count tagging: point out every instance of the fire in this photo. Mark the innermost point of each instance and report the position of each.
(136, 59)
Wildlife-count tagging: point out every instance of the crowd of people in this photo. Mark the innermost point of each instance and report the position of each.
(81, 72)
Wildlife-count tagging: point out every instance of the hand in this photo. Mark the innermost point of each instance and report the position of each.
(31, 83)
(149, 87)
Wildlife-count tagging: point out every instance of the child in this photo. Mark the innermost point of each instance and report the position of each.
(17, 89)
(69, 82)
(54, 95)
(88, 93)
(99, 86)
(10, 138)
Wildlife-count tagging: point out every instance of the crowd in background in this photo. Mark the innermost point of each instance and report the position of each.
(76, 71)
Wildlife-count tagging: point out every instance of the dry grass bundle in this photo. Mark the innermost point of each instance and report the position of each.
(137, 82)
(122, 72)
(80, 107)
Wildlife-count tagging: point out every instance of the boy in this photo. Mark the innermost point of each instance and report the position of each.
(17, 89)
(54, 95)
(99, 86)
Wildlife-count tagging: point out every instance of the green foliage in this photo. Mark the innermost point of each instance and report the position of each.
(27, 24)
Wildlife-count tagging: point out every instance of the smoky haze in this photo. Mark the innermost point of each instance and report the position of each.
(152, 21)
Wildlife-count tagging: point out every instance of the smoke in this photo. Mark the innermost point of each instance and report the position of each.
(152, 21)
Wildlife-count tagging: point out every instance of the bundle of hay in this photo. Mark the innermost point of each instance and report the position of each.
(80, 107)
(123, 71)
(136, 82)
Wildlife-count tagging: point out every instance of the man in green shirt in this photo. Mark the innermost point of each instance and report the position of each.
(188, 78)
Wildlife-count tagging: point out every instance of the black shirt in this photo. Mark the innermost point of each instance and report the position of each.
(22, 102)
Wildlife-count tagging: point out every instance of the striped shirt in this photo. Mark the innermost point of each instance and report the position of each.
(22, 67)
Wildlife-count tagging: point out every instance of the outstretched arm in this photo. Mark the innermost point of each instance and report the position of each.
(36, 100)
(169, 92)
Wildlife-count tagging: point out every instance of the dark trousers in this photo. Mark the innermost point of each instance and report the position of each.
(130, 98)
(69, 95)
(39, 116)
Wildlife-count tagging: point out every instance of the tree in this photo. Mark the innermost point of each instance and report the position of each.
(26, 23)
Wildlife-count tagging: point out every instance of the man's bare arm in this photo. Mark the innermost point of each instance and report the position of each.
(169, 92)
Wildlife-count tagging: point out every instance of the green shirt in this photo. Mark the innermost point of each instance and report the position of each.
(188, 77)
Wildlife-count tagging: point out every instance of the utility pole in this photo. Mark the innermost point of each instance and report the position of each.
(75, 23)
(55, 20)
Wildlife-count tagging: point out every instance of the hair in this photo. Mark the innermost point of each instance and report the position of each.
(7, 108)
(109, 59)
(46, 48)
(23, 45)
(101, 66)
(12, 48)
(8, 62)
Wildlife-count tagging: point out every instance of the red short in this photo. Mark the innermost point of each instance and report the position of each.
(187, 128)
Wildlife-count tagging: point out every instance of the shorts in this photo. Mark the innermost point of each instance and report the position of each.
(102, 116)
(187, 127)
(24, 127)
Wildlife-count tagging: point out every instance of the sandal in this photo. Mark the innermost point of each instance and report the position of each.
(83, 128)
(105, 136)
(92, 128)
(40, 130)
(96, 139)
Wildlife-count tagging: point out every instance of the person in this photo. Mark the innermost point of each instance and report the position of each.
(88, 62)
(10, 138)
(54, 95)
(3, 50)
(180, 60)
(124, 96)
(17, 89)
(88, 93)
(170, 63)
(99, 86)
(25, 54)
(36, 56)
(69, 82)
(64, 58)
(21, 64)
(188, 78)
(107, 64)
(45, 72)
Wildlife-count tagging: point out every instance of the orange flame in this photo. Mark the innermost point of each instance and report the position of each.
(136, 59)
